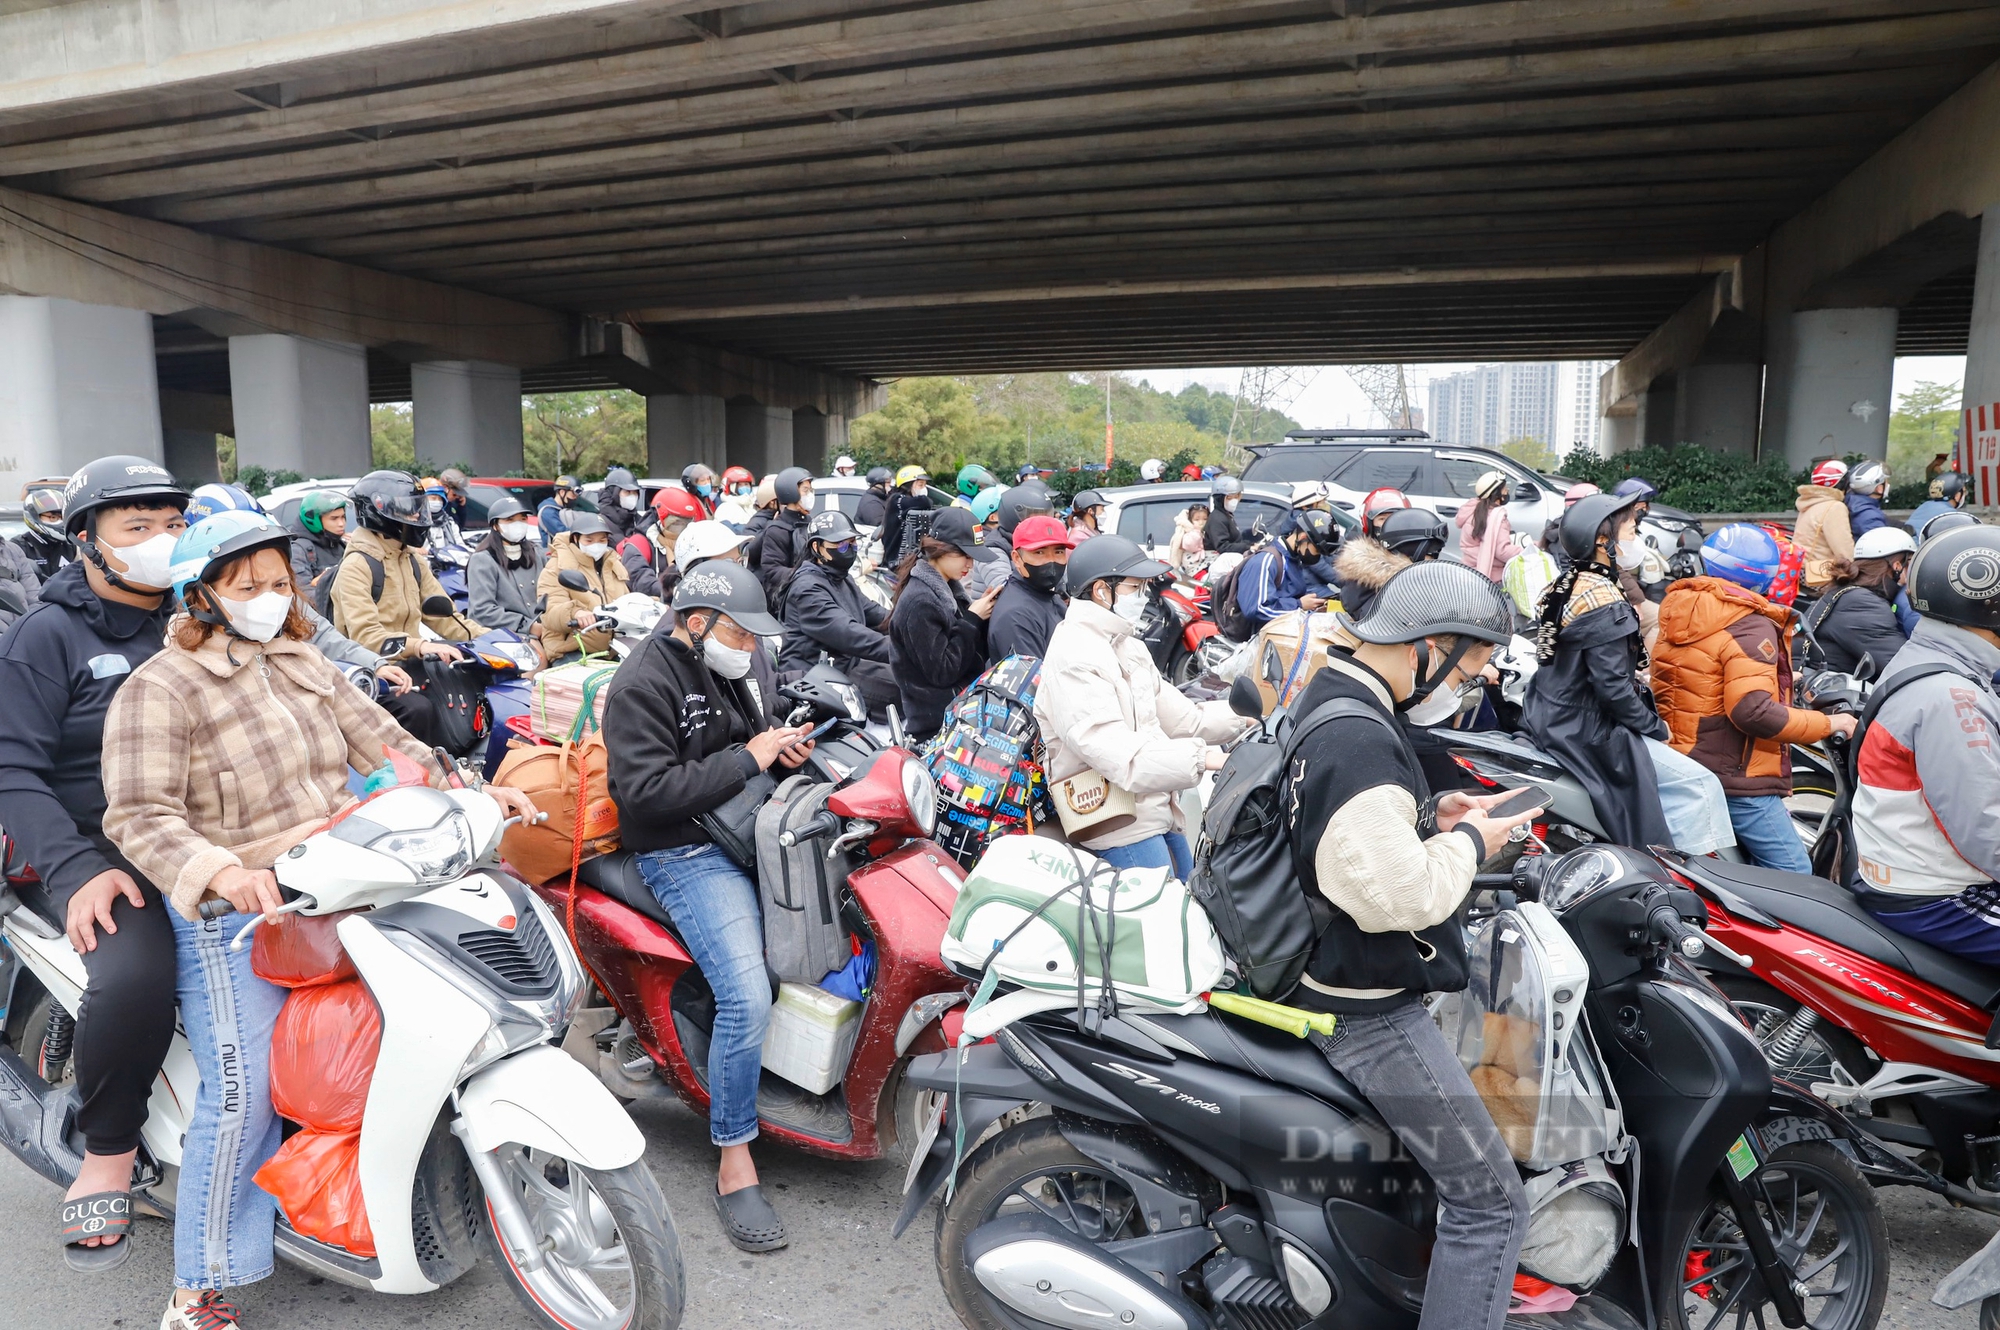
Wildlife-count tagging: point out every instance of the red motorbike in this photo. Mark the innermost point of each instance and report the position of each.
(1184, 641)
(900, 888)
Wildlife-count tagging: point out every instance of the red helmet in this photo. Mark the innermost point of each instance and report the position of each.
(673, 501)
(1380, 503)
(1192, 471)
(737, 475)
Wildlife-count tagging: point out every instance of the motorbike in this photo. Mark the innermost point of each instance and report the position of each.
(504, 663)
(480, 1133)
(898, 895)
(1184, 641)
(1203, 1171)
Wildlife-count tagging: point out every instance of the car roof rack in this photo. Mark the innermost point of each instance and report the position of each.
(1328, 435)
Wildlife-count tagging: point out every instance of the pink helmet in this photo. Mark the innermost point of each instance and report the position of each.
(1830, 473)
(1583, 489)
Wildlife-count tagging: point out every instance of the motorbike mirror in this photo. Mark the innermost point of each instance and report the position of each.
(570, 579)
(1244, 699)
(393, 645)
(439, 607)
(1864, 669)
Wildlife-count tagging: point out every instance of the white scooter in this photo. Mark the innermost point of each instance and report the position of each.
(476, 1122)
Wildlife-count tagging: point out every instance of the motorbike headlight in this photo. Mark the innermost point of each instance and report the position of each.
(857, 710)
(920, 792)
(435, 854)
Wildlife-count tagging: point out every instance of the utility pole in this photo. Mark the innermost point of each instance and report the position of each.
(1107, 420)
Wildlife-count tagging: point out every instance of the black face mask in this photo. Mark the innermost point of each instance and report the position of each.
(838, 560)
(1045, 577)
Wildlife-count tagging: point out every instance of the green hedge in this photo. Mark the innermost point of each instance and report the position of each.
(1701, 481)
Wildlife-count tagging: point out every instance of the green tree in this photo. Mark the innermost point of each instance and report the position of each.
(1531, 453)
(933, 423)
(1924, 424)
(393, 436)
(585, 434)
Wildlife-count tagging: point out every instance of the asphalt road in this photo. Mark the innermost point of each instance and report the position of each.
(841, 1272)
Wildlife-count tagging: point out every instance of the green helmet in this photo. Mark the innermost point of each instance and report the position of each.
(973, 478)
(316, 506)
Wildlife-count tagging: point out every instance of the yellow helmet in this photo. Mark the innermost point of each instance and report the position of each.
(910, 473)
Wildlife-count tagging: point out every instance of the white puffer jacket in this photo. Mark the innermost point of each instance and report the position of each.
(1103, 707)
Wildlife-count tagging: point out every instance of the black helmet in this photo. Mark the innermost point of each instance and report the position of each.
(1586, 517)
(1085, 500)
(1944, 522)
(618, 478)
(1955, 578)
(1103, 557)
(42, 510)
(119, 481)
(880, 475)
(505, 508)
(1226, 485)
(566, 481)
(1418, 534)
(1434, 599)
(1023, 501)
(721, 584)
(1947, 485)
(391, 504)
(1317, 525)
(787, 482)
(586, 524)
(831, 526)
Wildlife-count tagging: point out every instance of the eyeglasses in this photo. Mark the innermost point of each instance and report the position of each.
(844, 547)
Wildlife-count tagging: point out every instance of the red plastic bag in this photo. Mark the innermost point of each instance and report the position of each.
(316, 1179)
(323, 1055)
(297, 951)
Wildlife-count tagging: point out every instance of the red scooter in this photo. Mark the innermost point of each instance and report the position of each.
(900, 888)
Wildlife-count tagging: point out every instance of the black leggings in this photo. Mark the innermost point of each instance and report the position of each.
(125, 1022)
(415, 712)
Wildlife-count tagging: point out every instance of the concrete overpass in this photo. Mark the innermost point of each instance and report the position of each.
(262, 214)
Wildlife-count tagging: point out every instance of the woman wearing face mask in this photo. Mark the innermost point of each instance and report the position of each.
(937, 637)
(505, 570)
(569, 622)
(1485, 536)
(1102, 706)
(1857, 616)
(826, 612)
(618, 504)
(1586, 705)
(224, 750)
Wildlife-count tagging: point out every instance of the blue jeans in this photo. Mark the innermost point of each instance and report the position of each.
(1967, 924)
(223, 1222)
(1691, 797)
(1764, 828)
(714, 904)
(1169, 849)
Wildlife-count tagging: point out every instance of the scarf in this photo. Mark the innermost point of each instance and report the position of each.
(1555, 601)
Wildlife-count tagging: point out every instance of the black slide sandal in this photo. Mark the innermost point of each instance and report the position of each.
(749, 1221)
(104, 1214)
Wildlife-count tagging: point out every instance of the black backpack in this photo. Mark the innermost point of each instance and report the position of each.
(464, 716)
(322, 586)
(1226, 609)
(1245, 875)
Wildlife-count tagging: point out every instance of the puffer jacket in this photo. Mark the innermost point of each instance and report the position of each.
(1487, 557)
(406, 585)
(1103, 707)
(1822, 533)
(1363, 567)
(229, 755)
(607, 579)
(1855, 619)
(313, 552)
(1864, 514)
(17, 568)
(1722, 677)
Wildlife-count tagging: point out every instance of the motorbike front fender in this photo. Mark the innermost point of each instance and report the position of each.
(1975, 1281)
(981, 1089)
(546, 1100)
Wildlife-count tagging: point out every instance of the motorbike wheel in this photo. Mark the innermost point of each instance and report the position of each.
(1989, 1314)
(1827, 1225)
(1827, 1053)
(1183, 666)
(611, 1256)
(1027, 1169)
(1812, 795)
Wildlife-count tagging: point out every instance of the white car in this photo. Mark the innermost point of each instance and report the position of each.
(1144, 514)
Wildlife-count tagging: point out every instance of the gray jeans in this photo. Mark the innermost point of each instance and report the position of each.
(1400, 1061)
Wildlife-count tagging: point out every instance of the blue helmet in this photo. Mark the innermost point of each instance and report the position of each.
(987, 503)
(1746, 555)
(212, 499)
(213, 539)
(1638, 485)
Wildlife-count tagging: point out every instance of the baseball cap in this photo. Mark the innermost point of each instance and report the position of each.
(1039, 533)
(954, 527)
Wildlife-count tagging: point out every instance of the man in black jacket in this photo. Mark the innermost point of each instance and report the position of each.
(825, 611)
(1362, 843)
(686, 737)
(100, 617)
(875, 500)
(782, 544)
(1031, 604)
(1223, 535)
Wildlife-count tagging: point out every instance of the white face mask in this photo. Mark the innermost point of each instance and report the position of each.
(1442, 704)
(918, 491)
(1631, 553)
(259, 618)
(1130, 606)
(726, 661)
(1229, 505)
(437, 506)
(629, 501)
(149, 563)
(514, 532)
(594, 550)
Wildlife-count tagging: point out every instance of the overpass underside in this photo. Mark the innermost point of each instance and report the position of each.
(782, 203)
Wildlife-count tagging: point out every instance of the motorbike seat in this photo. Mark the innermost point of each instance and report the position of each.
(1834, 913)
(617, 876)
(1270, 1054)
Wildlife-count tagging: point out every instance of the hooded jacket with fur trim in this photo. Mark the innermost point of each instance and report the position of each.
(1364, 567)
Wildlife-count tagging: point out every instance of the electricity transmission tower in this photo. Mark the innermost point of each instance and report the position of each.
(1388, 388)
(1262, 390)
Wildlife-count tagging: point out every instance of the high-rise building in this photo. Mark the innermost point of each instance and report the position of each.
(1486, 406)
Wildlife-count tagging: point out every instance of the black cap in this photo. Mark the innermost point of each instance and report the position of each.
(954, 527)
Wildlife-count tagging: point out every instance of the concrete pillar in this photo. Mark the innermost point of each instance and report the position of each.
(1981, 421)
(1716, 407)
(817, 439)
(301, 405)
(760, 437)
(190, 455)
(1829, 389)
(1620, 434)
(467, 413)
(76, 382)
(1657, 408)
(685, 428)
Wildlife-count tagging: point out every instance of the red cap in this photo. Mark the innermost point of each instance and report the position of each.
(1039, 533)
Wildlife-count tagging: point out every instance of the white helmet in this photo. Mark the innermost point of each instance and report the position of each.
(1867, 477)
(1883, 542)
(704, 540)
(843, 465)
(1151, 469)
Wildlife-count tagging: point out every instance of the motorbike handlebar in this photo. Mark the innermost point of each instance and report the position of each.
(213, 909)
(821, 824)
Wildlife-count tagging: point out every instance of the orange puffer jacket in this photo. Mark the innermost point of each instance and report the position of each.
(1722, 675)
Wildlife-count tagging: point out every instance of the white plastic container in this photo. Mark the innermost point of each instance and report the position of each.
(811, 1036)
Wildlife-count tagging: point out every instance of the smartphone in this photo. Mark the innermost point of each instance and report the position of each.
(1520, 801)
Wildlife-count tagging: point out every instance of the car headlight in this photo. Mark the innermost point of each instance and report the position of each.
(920, 792)
(435, 854)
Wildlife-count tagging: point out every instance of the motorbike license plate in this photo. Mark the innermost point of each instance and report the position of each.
(925, 1139)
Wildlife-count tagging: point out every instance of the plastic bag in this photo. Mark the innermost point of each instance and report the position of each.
(300, 951)
(316, 1179)
(323, 1055)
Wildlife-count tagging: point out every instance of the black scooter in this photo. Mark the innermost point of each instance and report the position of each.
(1208, 1173)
